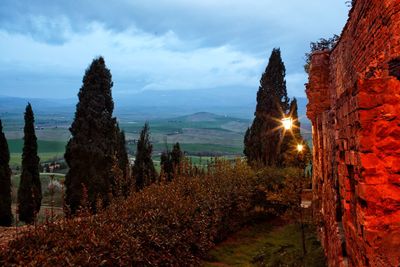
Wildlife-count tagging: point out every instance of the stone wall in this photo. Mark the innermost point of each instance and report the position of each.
(354, 106)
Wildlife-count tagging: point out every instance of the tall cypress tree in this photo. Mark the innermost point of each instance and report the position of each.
(262, 140)
(166, 165)
(176, 155)
(122, 154)
(170, 161)
(30, 190)
(143, 169)
(123, 162)
(5, 181)
(290, 156)
(90, 153)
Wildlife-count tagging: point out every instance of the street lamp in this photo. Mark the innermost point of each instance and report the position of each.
(287, 123)
(300, 147)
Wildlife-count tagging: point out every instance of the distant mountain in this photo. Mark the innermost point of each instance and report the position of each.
(39, 105)
(149, 105)
(206, 117)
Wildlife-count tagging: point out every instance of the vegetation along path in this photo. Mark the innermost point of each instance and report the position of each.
(272, 243)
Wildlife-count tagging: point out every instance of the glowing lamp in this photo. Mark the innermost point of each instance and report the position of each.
(300, 147)
(287, 123)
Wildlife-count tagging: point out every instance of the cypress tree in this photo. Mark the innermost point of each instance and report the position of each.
(262, 140)
(5, 181)
(170, 161)
(176, 155)
(30, 190)
(290, 156)
(247, 144)
(166, 165)
(143, 169)
(90, 153)
(123, 162)
(122, 155)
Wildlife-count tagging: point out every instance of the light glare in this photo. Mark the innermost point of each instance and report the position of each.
(287, 123)
(300, 147)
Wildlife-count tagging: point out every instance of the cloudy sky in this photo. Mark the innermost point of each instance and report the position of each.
(46, 45)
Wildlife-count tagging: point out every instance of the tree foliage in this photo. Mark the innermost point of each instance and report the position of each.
(166, 224)
(262, 139)
(171, 161)
(320, 45)
(91, 151)
(125, 180)
(143, 169)
(29, 190)
(5, 181)
(290, 156)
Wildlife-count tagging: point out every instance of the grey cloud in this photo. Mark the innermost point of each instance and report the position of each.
(252, 27)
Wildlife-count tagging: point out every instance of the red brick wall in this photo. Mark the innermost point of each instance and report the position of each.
(354, 106)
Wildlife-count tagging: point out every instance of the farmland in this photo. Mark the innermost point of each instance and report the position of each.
(201, 135)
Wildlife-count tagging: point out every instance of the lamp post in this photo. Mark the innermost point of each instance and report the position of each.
(287, 123)
(300, 148)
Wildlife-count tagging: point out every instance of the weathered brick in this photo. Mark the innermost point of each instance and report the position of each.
(354, 82)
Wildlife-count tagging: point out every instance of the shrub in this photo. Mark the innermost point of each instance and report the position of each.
(168, 224)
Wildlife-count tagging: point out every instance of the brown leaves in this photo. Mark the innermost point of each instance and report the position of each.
(169, 224)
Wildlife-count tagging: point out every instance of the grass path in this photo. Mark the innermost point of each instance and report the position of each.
(271, 243)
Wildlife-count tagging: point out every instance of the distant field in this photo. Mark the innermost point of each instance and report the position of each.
(47, 150)
(204, 148)
(15, 158)
(200, 133)
(16, 145)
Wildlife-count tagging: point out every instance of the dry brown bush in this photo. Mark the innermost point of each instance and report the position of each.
(166, 224)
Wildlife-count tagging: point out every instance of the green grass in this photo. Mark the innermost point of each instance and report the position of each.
(16, 145)
(177, 124)
(263, 244)
(47, 150)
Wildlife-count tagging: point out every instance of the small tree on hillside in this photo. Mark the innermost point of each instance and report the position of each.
(5, 181)
(143, 169)
(91, 151)
(30, 190)
(262, 140)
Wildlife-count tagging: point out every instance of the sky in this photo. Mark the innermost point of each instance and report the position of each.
(158, 45)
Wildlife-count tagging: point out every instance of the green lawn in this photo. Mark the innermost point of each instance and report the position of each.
(265, 244)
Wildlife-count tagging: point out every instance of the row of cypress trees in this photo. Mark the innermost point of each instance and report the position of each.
(29, 190)
(95, 154)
